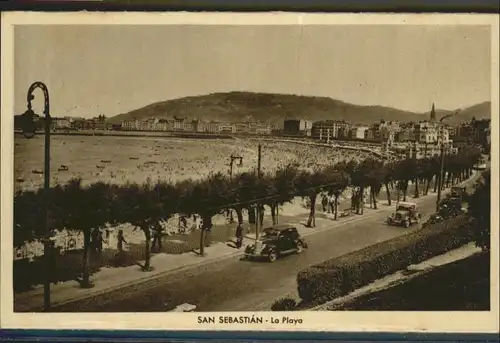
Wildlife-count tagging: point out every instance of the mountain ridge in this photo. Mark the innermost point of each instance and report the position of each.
(250, 106)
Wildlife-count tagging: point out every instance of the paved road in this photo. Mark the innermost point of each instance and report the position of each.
(246, 285)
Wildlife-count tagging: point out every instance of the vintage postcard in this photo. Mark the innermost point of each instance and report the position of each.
(194, 171)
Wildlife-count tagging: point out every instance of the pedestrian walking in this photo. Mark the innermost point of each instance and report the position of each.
(119, 246)
(94, 238)
(157, 235)
(182, 224)
(53, 253)
(121, 241)
(324, 203)
(331, 204)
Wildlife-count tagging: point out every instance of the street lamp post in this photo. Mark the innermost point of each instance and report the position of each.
(233, 158)
(442, 154)
(29, 131)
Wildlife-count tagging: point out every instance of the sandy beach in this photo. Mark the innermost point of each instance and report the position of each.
(137, 159)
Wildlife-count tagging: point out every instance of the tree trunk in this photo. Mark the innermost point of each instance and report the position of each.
(85, 265)
(273, 213)
(405, 190)
(239, 215)
(207, 225)
(336, 206)
(251, 215)
(147, 257)
(374, 198)
(311, 222)
(436, 181)
(416, 188)
(427, 186)
(388, 192)
(261, 216)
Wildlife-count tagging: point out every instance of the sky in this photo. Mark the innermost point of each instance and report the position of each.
(112, 69)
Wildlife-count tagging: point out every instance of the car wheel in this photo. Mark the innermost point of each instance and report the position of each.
(389, 221)
(407, 224)
(299, 247)
(273, 256)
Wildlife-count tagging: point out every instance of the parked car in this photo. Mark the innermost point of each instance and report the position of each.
(275, 242)
(406, 214)
(451, 206)
(458, 192)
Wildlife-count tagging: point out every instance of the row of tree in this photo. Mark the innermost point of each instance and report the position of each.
(74, 206)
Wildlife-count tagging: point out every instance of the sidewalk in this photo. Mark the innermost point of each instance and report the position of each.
(112, 279)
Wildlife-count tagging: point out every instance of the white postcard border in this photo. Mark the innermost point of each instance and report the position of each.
(458, 322)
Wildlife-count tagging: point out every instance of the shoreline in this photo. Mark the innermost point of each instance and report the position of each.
(134, 134)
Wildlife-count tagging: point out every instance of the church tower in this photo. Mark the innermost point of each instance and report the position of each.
(433, 114)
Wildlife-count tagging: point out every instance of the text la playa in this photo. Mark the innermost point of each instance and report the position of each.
(248, 320)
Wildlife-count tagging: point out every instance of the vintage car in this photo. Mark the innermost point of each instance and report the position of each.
(276, 241)
(458, 192)
(451, 206)
(406, 214)
(481, 164)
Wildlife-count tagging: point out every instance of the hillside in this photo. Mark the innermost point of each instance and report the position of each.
(244, 106)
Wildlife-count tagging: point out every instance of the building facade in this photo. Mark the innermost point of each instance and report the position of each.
(300, 127)
(357, 133)
(328, 129)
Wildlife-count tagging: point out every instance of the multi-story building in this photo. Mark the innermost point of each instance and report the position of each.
(480, 129)
(188, 126)
(300, 127)
(179, 123)
(242, 127)
(426, 132)
(78, 123)
(198, 125)
(61, 123)
(344, 133)
(357, 132)
(405, 135)
(328, 129)
(212, 127)
(130, 125)
(165, 125)
(226, 128)
(260, 128)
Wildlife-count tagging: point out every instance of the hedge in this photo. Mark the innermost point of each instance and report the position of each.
(342, 275)
(284, 304)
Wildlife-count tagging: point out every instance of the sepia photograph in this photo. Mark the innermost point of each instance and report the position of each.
(233, 167)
